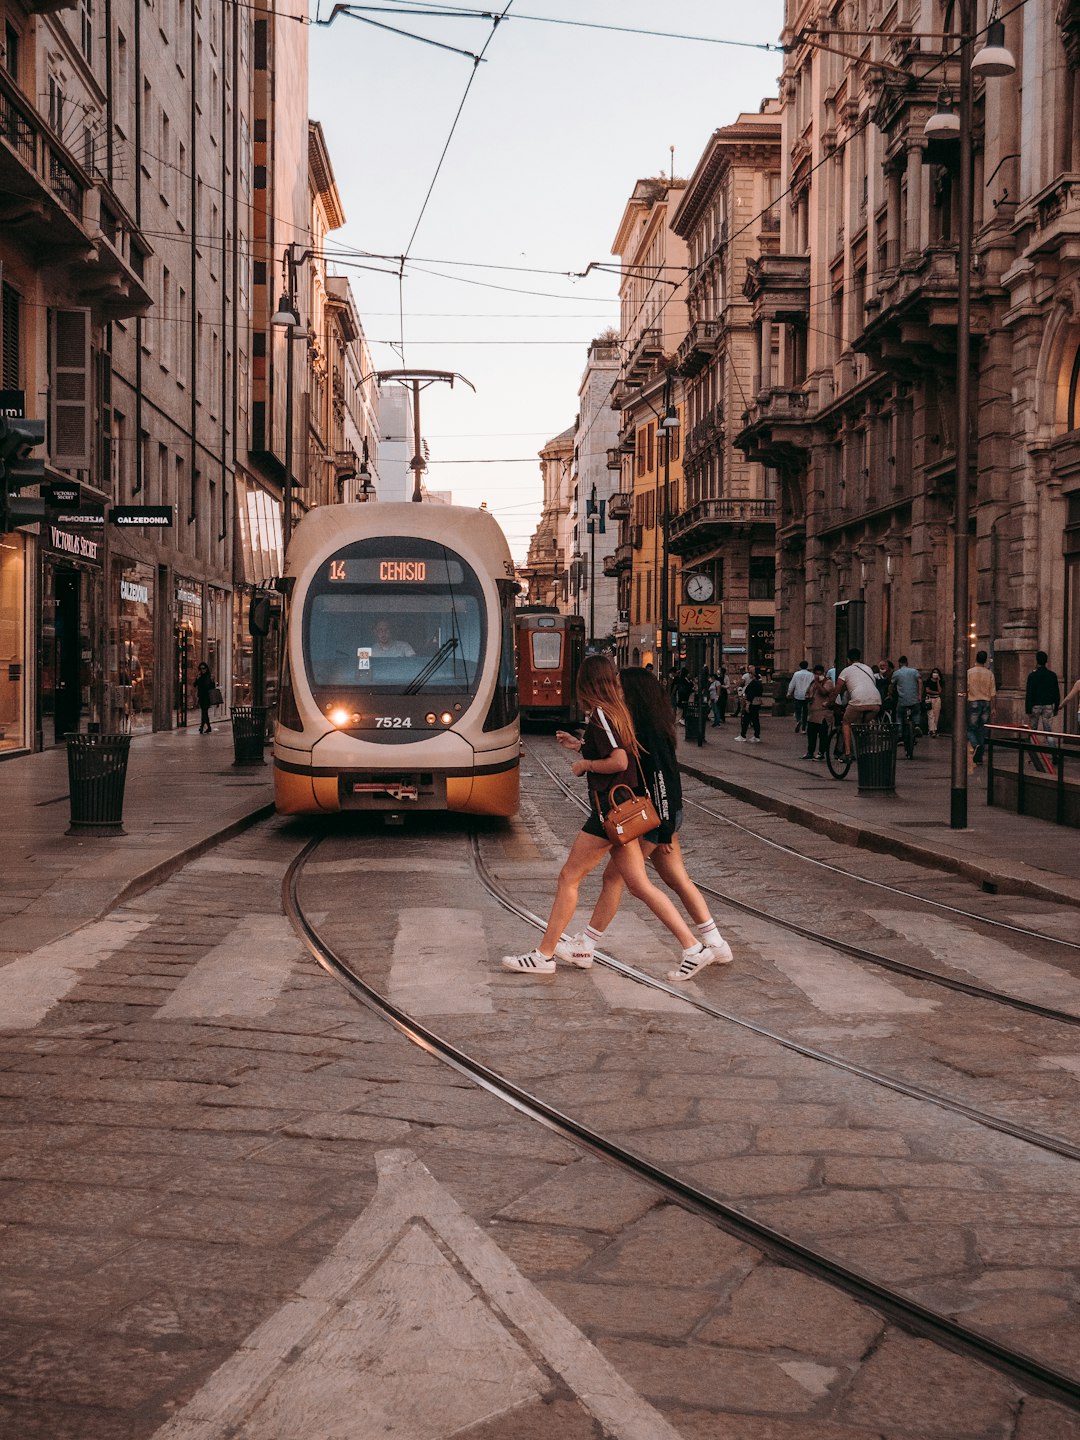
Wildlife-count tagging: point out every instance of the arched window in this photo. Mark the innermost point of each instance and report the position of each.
(1073, 411)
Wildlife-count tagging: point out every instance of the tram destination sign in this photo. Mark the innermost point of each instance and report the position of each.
(158, 517)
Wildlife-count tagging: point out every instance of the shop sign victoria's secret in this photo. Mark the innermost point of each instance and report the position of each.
(81, 547)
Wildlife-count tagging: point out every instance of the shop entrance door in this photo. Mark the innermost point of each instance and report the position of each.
(67, 708)
(183, 663)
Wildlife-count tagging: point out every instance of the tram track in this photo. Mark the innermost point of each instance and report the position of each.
(858, 952)
(1017, 1365)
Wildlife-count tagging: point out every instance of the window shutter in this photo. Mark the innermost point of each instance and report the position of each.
(70, 390)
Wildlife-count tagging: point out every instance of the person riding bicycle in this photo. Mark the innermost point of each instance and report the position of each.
(906, 686)
(863, 698)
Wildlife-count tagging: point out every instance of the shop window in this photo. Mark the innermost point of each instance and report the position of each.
(12, 642)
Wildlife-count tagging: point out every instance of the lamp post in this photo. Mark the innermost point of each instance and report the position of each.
(285, 318)
(945, 125)
(669, 425)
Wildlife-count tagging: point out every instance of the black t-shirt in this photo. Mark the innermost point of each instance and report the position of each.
(601, 739)
(753, 691)
(660, 772)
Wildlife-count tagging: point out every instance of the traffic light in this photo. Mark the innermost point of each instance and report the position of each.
(17, 469)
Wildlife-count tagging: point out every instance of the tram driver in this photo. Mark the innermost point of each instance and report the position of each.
(385, 646)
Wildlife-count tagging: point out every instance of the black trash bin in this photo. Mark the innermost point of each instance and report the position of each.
(249, 734)
(97, 772)
(695, 723)
(875, 757)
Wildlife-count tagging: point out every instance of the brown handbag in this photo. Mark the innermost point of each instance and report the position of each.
(629, 819)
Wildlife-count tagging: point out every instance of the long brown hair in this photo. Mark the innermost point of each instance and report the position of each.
(598, 688)
(647, 702)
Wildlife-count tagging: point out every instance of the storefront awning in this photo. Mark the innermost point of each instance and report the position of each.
(259, 534)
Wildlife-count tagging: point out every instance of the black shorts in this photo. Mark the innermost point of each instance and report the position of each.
(654, 835)
(594, 826)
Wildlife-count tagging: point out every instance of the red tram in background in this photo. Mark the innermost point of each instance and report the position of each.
(550, 649)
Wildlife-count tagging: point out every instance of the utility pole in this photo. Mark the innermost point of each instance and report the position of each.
(417, 380)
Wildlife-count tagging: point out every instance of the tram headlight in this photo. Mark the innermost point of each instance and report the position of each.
(339, 716)
(431, 717)
(446, 717)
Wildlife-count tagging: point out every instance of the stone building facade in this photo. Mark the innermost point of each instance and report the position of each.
(725, 528)
(854, 403)
(652, 295)
(594, 592)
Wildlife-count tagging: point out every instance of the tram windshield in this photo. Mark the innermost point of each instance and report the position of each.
(546, 649)
(395, 616)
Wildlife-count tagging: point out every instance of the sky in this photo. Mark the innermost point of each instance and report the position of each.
(559, 123)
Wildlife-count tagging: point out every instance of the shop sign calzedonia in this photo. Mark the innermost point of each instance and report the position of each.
(158, 517)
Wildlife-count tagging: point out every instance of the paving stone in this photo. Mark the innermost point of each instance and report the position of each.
(1042, 1420)
(539, 1250)
(903, 1252)
(837, 1212)
(912, 1386)
(44, 1420)
(1024, 1245)
(94, 1370)
(671, 1247)
(695, 1143)
(88, 1168)
(832, 1141)
(653, 1311)
(710, 1425)
(696, 1376)
(483, 1185)
(71, 1207)
(1010, 1209)
(199, 1319)
(860, 1173)
(587, 1195)
(777, 1309)
(632, 1113)
(790, 1114)
(542, 1420)
(228, 1220)
(746, 1175)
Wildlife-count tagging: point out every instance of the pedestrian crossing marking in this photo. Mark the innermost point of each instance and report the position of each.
(415, 1324)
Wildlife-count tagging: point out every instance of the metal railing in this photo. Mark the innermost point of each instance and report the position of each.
(40, 151)
(1048, 755)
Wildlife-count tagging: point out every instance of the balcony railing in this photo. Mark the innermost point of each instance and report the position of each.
(717, 513)
(646, 354)
(40, 152)
(702, 340)
(618, 507)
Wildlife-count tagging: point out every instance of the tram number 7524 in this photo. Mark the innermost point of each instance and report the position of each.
(393, 722)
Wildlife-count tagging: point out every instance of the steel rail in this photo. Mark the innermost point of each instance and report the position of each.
(702, 777)
(869, 957)
(1023, 1369)
(907, 1088)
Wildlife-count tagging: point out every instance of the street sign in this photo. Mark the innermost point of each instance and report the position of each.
(93, 515)
(158, 517)
(699, 619)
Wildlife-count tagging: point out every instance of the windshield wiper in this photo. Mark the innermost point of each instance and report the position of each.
(419, 681)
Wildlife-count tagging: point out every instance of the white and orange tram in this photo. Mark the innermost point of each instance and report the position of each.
(398, 686)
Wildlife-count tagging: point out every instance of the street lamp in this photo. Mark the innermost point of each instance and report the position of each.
(992, 59)
(286, 318)
(669, 425)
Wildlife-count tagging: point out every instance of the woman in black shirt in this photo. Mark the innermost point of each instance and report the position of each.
(654, 727)
(608, 756)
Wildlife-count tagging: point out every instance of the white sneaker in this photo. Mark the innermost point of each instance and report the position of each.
(575, 952)
(696, 962)
(755, 739)
(531, 964)
(740, 739)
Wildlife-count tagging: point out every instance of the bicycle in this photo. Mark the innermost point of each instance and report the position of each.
(909, 729)
(838, 761)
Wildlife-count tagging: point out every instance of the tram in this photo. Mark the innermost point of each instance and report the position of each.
(398, 686)
(550, 650)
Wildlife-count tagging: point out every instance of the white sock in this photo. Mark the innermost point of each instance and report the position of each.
(710, 935)
(590, 935)
(694, 950)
